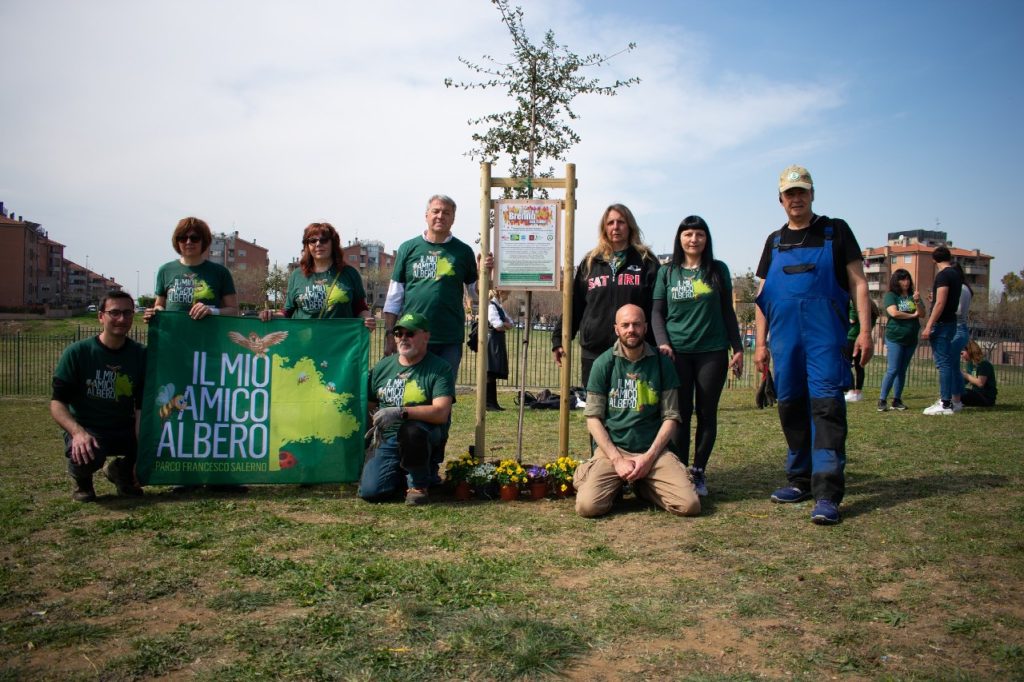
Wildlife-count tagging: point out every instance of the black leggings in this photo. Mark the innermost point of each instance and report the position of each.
(702, 374)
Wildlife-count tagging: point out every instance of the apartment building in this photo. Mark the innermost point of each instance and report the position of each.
(248, 262)
(375, 264)
(912, 250)
(34, 271)
(19, 259)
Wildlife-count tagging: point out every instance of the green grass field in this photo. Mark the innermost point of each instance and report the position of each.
(921, 581)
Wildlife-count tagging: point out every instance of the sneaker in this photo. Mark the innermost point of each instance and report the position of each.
(416, 496)
(700, 482)
(897, 404)
(883, 406)
(854, 396)
(789, 494)
(84, 492)
(957, 407)
(939, 409)
(825, 513)
(123, 479)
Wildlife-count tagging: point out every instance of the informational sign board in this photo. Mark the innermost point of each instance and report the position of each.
(235, 400)
(527, 244)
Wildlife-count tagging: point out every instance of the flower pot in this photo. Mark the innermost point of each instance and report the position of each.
(539, 490)
(463, 491)
(487, 491)
(556, 487)
(509, 492)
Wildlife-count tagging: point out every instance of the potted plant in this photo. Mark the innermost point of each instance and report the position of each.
(510, 474)
(539, 481)
(456, 472)
(481, 478)
(561, 472)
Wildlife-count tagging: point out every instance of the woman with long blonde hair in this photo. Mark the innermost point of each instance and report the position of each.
(621, 269)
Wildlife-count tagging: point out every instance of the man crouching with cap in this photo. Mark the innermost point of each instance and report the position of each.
(808, 270)
(410, 399)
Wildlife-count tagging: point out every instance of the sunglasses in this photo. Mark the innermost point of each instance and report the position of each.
(404, 333)
(190, 238)
(318, 240)
(116, 314)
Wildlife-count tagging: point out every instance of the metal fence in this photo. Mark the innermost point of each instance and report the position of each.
(27, 360)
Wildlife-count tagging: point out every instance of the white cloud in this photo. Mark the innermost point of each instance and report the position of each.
(262, 117)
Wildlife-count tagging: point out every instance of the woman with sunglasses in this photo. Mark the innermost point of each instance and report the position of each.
(903, 306)
(323, 286)
(191, 283)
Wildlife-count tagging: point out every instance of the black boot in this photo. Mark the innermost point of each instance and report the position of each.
(492, 396)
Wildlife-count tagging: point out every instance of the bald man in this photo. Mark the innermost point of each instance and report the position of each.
(632, 412)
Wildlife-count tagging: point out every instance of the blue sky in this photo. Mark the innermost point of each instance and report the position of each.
(121, 117)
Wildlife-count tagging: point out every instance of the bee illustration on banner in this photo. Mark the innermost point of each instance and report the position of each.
(169, 402)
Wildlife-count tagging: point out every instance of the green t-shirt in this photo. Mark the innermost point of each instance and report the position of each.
(395, 385)
(433, 276)
(693, 310)
(102, 387)
(633, 411)
(903, 332)
(854, 331)
(307, 296)
(984, 369)
(184, 285)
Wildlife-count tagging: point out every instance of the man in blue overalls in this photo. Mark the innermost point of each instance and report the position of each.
(808, 270)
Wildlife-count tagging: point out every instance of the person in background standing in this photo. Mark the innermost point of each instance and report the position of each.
(940, 328)
(497, 348)
(903, 305)
(963, 311)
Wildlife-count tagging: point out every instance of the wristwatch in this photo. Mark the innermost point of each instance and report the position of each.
(405, 414)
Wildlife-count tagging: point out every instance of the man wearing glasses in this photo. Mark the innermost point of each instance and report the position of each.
(97, 394)
(412, 392)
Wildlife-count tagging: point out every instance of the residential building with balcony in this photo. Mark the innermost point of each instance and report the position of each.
(19, 261)
(248, 262)
(912, 251)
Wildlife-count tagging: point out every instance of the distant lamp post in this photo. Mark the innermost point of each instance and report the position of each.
(137, 290)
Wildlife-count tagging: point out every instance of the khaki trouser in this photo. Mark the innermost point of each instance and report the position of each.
(667, 485)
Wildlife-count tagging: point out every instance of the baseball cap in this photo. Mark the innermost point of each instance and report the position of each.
(795, 176)
(413, 322)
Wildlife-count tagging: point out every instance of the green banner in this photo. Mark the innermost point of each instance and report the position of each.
(237, 400)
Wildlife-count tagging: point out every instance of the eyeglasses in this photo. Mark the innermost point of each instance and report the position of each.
(190, 238)
(116, 313)
(404, 333)
(318, 240)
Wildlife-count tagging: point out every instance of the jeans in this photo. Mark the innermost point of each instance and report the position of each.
(898, 359)
(942, 349)
(405, 460)
(959, 342)
(450, 353)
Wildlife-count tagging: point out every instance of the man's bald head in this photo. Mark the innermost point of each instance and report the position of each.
(631, 311)
(630, 325)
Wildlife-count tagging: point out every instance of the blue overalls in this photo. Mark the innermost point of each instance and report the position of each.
(807, 324)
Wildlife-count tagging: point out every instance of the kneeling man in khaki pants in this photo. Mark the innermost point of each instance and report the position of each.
(632, 412)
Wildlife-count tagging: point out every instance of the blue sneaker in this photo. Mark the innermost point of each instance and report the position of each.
(825, 513)
(790, 493)
(700, 481)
